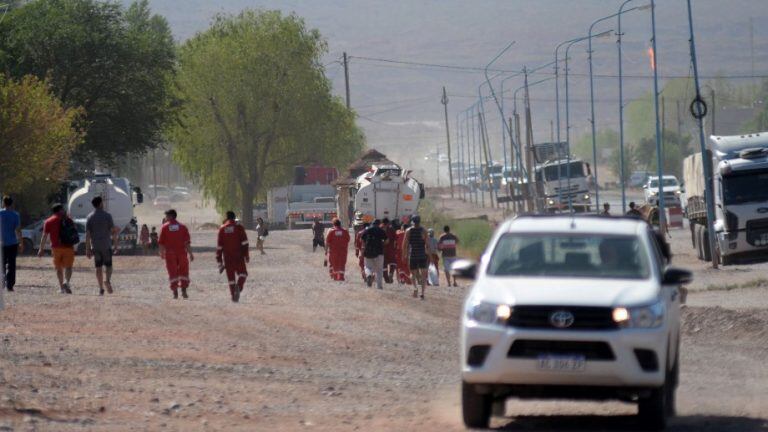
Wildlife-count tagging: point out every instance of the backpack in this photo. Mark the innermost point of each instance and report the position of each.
(68, 235)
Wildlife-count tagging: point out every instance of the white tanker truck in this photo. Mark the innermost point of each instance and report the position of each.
(118, 196)
(387, 192)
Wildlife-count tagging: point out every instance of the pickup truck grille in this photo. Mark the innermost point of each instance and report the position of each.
(585, 318)
(530, 348)
(757, 232)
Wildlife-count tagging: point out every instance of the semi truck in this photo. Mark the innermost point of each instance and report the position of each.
(297, 206)
(119, 200)
(386, 191)
(558, 187)
(740, 188)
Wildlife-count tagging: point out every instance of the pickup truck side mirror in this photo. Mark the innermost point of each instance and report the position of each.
(676, 276)
(465, 269)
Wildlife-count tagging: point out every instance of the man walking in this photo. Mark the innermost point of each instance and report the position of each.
(10, 238)
(633, 211)
(317, 235)
(447, 246)
(232, 254)
(390, 250)
(100, 241)
(359, 249)
(175, 246)
(337, 245)
(61, 230)
(374, 241)
(416, 249)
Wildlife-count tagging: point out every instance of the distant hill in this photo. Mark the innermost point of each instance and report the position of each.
(399, 104)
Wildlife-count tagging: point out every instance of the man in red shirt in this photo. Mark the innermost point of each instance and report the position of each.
(63, 253)
(337, 243)
(232, 254)
(175, 245)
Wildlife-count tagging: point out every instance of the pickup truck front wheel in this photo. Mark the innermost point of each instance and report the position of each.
(655, 408)
(476, 408)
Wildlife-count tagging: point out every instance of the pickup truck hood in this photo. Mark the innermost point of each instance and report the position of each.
(565, 291)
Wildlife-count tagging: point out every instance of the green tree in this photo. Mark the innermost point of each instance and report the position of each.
(113, 63)
(607, 143)
(256, 102)
(37, 138)
(630, 161)
(674, 148)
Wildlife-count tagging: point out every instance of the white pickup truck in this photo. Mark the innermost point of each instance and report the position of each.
(577, 307)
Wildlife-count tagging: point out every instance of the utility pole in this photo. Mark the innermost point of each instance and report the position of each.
(346, 78)
(529, 145)
(484, 143)
(679, 127)
(714, 108)
(448, 141)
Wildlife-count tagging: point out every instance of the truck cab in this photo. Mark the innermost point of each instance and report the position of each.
(740, 189)
(560, 186)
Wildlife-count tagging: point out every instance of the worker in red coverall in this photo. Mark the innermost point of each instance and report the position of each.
(337, 244)
(359, 249)
(390, 250)
(232, 254)
(403, 268)
(175, 247)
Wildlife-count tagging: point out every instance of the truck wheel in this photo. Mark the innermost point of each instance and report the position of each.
(652, 410)
(705, 250)
(697, 241)
(476, 408)
(692, 227)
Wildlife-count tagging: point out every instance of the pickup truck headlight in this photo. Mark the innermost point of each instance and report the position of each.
(654, 193)
(489, 313)
(651, 316)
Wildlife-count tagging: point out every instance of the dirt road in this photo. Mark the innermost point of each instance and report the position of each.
(301, 352)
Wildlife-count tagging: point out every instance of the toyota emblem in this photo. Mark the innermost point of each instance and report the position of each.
(561, 319)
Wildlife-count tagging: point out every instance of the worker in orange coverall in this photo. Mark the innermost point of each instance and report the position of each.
(175, 246)
(337, 245)
(232, 254)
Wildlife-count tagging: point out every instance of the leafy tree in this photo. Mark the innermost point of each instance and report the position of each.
(37, 138)
(630, 161)
(607, 143)
(113, 63)
(674, 148)
(256, 102)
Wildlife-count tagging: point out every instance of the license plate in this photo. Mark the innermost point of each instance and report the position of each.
(562, 363)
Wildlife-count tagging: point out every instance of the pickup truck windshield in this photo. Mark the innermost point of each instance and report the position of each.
(667, 182)
(568, 255)
(750, 186)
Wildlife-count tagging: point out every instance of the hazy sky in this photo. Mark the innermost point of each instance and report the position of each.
(399, 104)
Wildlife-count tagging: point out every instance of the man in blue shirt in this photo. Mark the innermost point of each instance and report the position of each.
(10, 238)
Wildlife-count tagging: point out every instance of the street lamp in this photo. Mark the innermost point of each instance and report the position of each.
(568, 104)
(619, 35)
(659, 157)
(592, 104)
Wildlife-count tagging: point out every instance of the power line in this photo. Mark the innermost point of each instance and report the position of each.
(473, 69)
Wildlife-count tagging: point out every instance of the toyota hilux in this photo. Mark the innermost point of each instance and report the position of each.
(563, 307)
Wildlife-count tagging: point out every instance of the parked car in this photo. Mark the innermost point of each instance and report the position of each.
(162, 202)
(571, 307)
(32, 233)
(179, 194)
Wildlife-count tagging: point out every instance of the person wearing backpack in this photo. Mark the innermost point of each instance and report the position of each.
(374, 241)
(62, 232)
